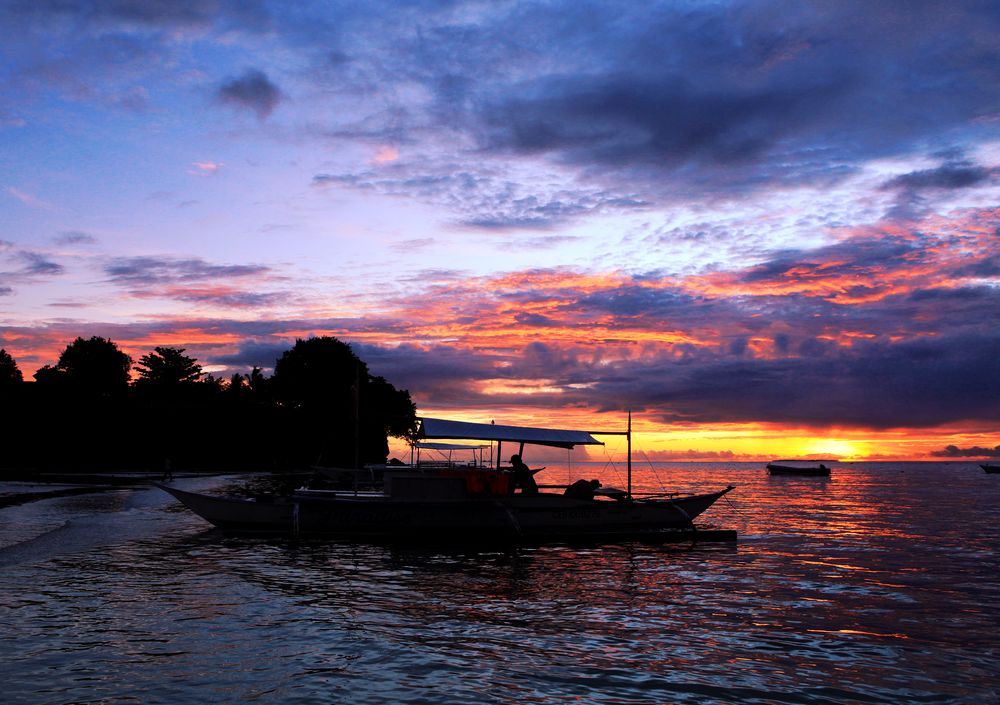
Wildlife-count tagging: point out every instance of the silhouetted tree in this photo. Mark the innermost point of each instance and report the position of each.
(94, 365)
(168, 367)
(393, 410)
(49, 375)
(321, 405)
(210, 381)
(9, 373)
(257, 381)
(316, 371)
(337, 407)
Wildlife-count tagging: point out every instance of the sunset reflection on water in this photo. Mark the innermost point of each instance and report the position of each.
(864, 587)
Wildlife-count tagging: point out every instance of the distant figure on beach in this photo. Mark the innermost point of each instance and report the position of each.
(168, 473)
(582, 489)
(523, 477)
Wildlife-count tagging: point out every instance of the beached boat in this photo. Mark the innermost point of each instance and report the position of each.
(459, 502)
(990, 467)
(791, 467)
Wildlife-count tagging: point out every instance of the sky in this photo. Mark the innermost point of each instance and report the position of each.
(768, 229)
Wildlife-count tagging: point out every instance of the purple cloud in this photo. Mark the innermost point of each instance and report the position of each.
(253, 91)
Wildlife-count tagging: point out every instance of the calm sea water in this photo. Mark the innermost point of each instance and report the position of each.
(879, 585)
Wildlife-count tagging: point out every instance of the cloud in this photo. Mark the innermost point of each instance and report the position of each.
(946, 177)
(195, 281)
(873, 385)
(973, 452)
(26, 267)
(692, 454)
(143, 271)
(483, 200)
(252, 353)
(37, 264)
(385, 154)
(179, 13)
(75, 237)
(205, 168)
(253, 91)
(28, 199)
(414, 244)
(225, 296)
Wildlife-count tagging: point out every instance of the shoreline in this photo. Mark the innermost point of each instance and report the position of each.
(12, 500)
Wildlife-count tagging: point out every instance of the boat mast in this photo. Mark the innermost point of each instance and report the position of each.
(628, 441)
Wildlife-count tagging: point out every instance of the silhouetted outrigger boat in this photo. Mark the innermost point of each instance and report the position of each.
(785, 467)
(461, 503)
(990, 467)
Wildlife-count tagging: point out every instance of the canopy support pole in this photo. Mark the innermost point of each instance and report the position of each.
(628, 440)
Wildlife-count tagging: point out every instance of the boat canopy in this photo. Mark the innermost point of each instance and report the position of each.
(422, 445)
(464, 430)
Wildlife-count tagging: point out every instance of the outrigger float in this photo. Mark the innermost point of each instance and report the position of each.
(473, 501)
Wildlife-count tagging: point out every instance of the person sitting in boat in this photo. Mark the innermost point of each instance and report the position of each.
(582, 489)
(523, 477)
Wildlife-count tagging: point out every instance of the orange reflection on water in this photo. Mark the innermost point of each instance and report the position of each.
(859, 632)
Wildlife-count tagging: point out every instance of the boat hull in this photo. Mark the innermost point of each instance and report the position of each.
(775, 469)
(990, 468)
(513, 517)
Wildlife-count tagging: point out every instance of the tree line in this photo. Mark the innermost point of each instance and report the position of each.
(87, 412)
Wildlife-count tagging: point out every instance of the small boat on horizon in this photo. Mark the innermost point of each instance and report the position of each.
(798, 467)
(991, 467)
(458, 503)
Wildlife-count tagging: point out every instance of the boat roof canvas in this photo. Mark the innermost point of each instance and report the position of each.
(458, 430)
(423, 445)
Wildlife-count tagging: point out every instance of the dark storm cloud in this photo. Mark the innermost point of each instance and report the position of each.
(647, 101)
(656, 102)
(746, 94)
(915, 188)
(621, 120)
(973, 452)
(986, 267)
(639, 300)
(849, 258)
(946, 177)
(144, 271)
(254, 91)
(251, 354)
(876, 385)
(167, 14)
(432, 374)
